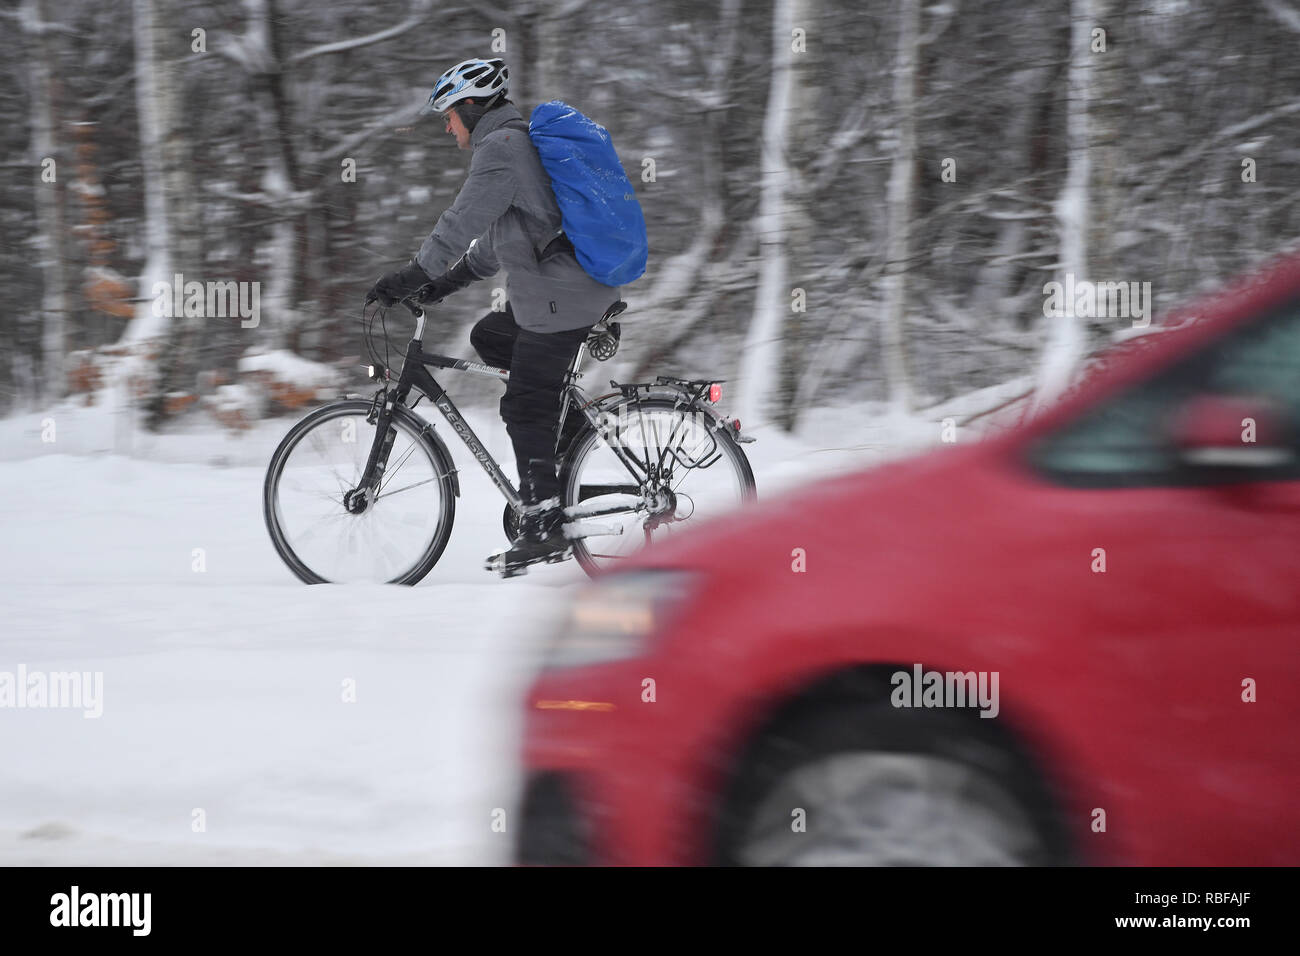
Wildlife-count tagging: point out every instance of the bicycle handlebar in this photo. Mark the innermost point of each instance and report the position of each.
(414, 309)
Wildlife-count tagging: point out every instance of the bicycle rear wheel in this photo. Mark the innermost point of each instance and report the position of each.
(686, 469)
(326, 535)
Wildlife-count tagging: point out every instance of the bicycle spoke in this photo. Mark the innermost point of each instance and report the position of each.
(679, 438)
(377, 543)
(389, 494)
(394, 469)
(394, 556)
(328, 496)
(311, 532)
(316, 440)
(686, 470)
(662, 445)
(641, 417)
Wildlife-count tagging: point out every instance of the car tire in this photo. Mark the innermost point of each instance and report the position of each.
(861, 783)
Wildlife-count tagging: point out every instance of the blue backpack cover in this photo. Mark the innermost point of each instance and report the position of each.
(598, 209)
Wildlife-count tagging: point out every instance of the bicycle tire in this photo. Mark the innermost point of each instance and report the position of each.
(586, 437)
(404, 419)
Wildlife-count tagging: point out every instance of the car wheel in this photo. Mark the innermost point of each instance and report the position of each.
(870, 785)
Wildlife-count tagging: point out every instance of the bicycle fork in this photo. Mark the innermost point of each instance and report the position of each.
(363, 495)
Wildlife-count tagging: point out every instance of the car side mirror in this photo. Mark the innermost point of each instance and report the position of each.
(1232, 432)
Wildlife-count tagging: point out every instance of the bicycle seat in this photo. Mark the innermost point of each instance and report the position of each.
(617, 308)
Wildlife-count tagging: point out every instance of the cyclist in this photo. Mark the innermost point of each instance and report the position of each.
(506, 217)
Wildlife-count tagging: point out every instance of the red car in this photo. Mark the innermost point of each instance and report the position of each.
(1115, 585)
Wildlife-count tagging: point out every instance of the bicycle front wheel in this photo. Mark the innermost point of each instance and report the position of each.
(677, 467)
(327, 535)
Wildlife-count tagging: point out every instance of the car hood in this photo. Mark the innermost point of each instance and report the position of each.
(878, 513)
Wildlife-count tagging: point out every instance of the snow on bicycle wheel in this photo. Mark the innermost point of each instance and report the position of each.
(655, 469)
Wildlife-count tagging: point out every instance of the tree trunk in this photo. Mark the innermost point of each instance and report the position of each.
(49, 203)
(1066, 341)
(760, 362)
(1105, 123)
(178, 359)
(280, 177)
(902, 182)
(804, 320)
(150, 82)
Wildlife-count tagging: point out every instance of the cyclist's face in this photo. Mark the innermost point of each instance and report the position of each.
(456, 128)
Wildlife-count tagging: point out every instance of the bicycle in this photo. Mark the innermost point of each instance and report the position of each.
(348, 515)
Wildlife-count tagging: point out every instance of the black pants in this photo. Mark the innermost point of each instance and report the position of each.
(531, 405)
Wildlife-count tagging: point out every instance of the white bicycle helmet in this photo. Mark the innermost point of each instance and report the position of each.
(477, 79)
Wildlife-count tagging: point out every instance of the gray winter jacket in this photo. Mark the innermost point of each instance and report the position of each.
(507, 211)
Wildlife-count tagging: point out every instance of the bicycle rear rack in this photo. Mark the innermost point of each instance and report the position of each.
(696, 390)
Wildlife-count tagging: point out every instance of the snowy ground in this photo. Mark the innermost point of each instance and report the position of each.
(223, 689)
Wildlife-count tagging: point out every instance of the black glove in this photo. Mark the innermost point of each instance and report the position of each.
(398, 285)
(454, 279)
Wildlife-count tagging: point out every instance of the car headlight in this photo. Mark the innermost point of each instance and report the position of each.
(612, 618)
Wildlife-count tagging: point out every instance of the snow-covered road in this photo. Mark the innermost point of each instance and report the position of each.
(225, 690)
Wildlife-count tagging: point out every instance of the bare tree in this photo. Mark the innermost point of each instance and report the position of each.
(46, 148)
(1066, 338)
(760, 364)
(153, 106)
(902, 181)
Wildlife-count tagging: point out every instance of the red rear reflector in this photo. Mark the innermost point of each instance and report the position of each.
(736, 422)
(715, 392)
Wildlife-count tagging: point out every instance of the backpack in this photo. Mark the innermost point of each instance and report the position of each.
(598, 209)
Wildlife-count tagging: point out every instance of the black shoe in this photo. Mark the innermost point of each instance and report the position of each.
(540, 539)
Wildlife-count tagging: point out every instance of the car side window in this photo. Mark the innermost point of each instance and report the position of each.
(1126, 441)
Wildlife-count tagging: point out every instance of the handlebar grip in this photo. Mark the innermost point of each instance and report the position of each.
(415, 310)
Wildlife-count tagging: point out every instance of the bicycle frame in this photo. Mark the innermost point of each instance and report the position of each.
(415, 374)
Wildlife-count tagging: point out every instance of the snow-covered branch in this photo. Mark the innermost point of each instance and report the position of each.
(945, 14)
(419, 11)
(401, 116)
(32, 23)
(1284, 14)
(1194, 154)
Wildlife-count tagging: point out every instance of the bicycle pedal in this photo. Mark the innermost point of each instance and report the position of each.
(497, 563)
(504, 570)
(574, 530)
